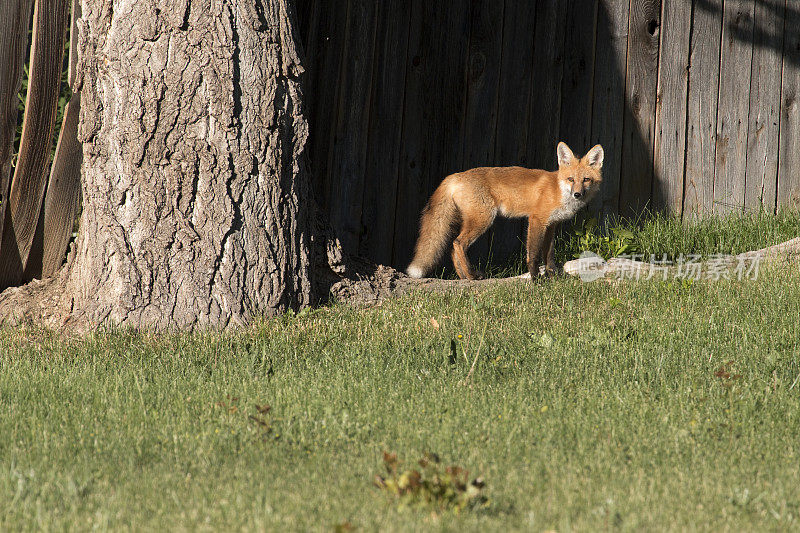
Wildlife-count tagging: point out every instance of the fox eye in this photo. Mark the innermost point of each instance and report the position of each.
(586, 180)
(570, 180)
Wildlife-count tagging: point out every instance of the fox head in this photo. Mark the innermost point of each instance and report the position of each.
(579, 178)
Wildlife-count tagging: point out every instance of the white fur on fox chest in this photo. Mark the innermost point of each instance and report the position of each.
(569, 205)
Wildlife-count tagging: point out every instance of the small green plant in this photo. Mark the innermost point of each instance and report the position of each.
(587, 236)
(442, 488)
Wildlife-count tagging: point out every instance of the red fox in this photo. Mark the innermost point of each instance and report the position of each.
(475, 197)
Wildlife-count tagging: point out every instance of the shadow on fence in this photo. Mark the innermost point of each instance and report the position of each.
(401, 94)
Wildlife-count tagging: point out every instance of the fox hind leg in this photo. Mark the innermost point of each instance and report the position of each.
(471, 229)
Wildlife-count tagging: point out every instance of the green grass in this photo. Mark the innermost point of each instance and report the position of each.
(732, 234)
(591, 406)
(656, 236)
(660, 235)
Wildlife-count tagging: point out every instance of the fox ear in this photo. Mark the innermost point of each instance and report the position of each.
(595, 157)
(565, 155)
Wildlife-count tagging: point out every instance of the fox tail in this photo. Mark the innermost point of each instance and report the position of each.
(437, 223)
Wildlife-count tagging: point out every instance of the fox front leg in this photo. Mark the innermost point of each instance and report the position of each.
(536, 238)
(549, 251)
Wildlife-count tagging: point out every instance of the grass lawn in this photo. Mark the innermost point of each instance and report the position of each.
(604, 405)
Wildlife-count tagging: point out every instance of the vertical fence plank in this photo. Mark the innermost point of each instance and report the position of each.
(765, 103)
(578, 80)
(673, 84)
(702, 109)
(30, 175)
(62, 199)
(609, 99)
(434, 112)
(305, 10)
(513, 115)
(516, 76)
(638, 132)
(548, 68)
(483, 74)
(789, 157)
(385, 130)
(325, 50)
(64, 187)
(14, 21)
(483, 80)
(734, 105)
(350, 147)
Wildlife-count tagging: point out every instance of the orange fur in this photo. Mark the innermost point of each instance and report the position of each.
(471, 200)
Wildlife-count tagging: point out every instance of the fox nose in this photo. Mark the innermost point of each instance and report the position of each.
(577, 194)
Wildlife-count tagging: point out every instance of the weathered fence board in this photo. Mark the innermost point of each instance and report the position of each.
(14, 21)
(789, 156)
(513, 112)
(702, 109)
(673, 83)
(608, 106)
(640, 94)
(761, 177)
(348, 166)
(734, 106)
(548, 68)
(577, 82)
(64, 187)
(483, 81)
(325, 56)
(385, 130)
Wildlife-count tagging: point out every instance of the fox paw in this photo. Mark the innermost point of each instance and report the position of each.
(550, 272)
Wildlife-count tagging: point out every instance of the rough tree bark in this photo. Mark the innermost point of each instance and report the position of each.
(196, 211)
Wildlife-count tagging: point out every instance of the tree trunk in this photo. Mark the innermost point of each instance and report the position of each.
(195, 206)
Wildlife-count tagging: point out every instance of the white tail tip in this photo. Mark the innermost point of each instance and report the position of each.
(415, 272)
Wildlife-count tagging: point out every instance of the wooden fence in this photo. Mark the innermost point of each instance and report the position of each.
(40, 198)
(695, 102)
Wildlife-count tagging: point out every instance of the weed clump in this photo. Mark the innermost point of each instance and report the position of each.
(432, 485)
